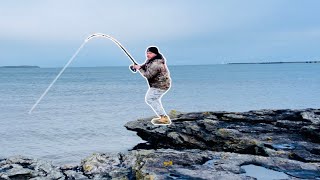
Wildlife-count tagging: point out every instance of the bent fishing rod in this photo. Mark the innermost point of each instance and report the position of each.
(118, 43)
(76, 53)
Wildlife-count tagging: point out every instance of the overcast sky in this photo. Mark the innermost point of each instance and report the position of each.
(47, 33)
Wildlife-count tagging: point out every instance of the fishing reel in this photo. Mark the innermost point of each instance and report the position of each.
(132, 69)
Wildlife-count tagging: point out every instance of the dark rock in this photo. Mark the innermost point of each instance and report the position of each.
(312, 132)
(70, 174)
(197, 145)
(107, 166)
(285, 133)
(143, 146)
(157, 164)
(312, 116)
(21, 167)
(190, 164)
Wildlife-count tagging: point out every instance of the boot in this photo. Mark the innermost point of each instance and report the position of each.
(163, 120)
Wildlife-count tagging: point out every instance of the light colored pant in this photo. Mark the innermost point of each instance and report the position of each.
(153, 99)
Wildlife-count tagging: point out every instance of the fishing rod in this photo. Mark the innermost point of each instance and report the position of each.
(76, 53)
(118, 43)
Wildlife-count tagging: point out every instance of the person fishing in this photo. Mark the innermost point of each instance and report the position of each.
(157, 74)
(154, 70)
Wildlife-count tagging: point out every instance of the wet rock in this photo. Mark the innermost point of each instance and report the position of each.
(198, 145)
(156, 164)
(285, 133)
(312, 116)
(106, 166)
(312, 132)
(75, 175)
(192, 164)
(22, 167)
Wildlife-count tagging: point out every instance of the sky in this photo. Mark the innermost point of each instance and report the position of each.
(47, 33)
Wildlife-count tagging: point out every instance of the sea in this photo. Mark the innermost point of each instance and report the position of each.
(86, 109)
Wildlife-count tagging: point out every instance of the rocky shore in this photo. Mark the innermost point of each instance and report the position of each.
(199, 145)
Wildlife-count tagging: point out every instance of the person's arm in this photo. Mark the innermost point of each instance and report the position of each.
(151, 71)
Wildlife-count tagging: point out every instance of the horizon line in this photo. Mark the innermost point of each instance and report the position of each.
(222, 63)
(96, 66)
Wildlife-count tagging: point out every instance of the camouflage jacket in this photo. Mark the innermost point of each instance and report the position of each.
(157, 73)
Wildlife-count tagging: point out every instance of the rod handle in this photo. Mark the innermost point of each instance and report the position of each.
(132, 69)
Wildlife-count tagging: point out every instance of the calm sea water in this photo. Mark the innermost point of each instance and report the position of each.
(85, 110)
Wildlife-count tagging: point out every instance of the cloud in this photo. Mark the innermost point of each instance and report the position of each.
(70, 20)
(134, 20)
(185, 30)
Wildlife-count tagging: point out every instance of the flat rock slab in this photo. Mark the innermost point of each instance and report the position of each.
(286, 133)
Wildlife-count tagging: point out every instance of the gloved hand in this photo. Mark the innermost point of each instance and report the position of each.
(136, 67)
(132, 68)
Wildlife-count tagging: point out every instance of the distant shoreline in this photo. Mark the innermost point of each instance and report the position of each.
(278, 62)
(23, 66)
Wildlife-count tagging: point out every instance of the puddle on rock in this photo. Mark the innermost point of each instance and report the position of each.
(284, 146)
(262, 173)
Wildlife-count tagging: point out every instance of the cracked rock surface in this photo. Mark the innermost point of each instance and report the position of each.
(197, 145)
(286, 133)
(157, 164)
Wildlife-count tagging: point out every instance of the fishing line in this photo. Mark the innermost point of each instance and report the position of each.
(76, 53)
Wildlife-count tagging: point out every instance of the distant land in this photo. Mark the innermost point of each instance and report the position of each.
(23, 66)
(278, 62)
(275, 62)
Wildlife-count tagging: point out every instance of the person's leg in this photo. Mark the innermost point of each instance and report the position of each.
(153, 99)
